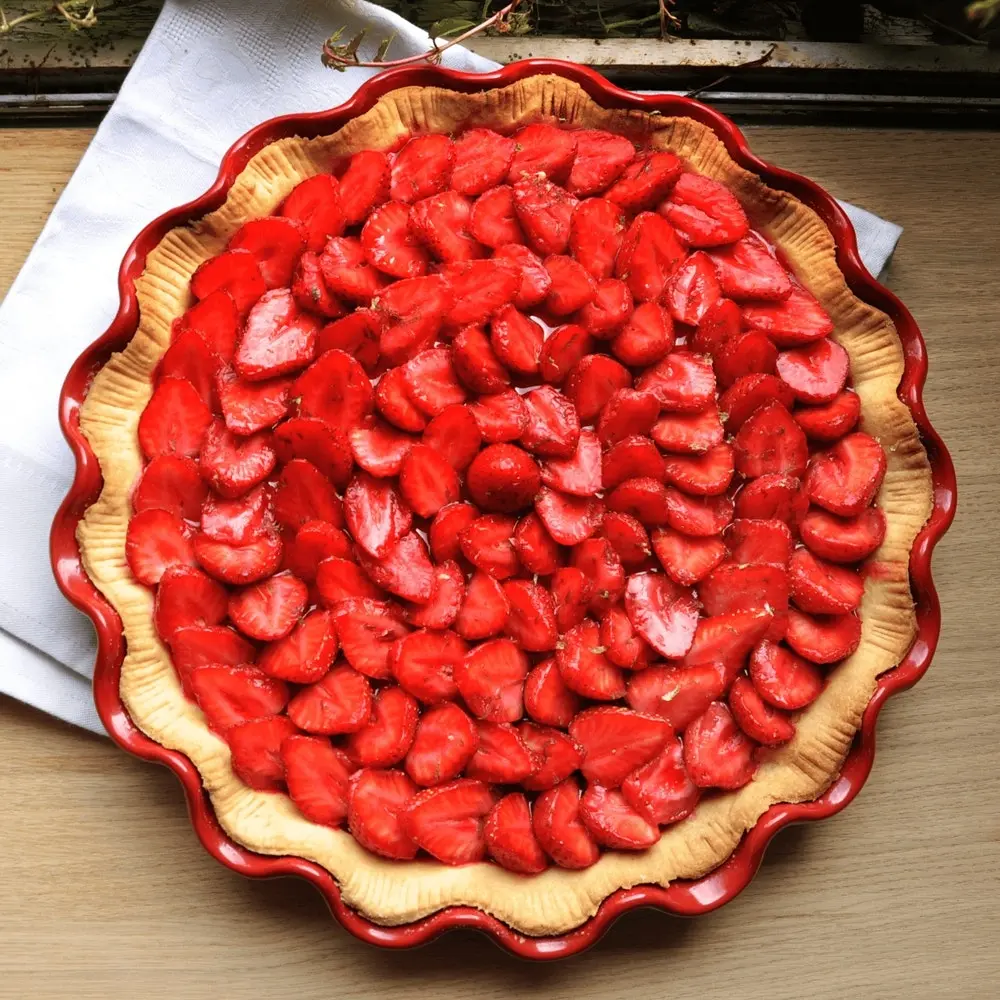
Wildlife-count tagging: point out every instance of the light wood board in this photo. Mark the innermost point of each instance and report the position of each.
(105, 892)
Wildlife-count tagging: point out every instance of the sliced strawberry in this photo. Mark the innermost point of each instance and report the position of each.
(661, 790)
(448, 821)
(442, 223)
(546, 697)
(720, 322)
(752, 542)
(380, 448)
(545, 212)
(269, 610)
(444, 743)
(568, 519)
(240, 564)
(846, 479)
(200, 645)
(726, 640)
(503, 477)
(427, 481)
(276, 245)
(643, 497)
(357, 335)
(584, 667)
(236, 275)
(784, 679)
(601, 158)
(491, 680)
(500, 417)
(501, 756)
(482, 160)
(598, 561)
(230, 695)
(376, 515)
(824, 638)
(560, 830)
(650, 252)
(510, 838)
(340, 702)
(303, 494)
(475, 362)
(526, 264)
(817, 372)
(677, 694)
(616, 741)
(561, 351)
(823, 588)
(798, 320)
(543, 149)
(390, 244)
(572, 593)
(348, 273)
(628, 413)
(770, 443)
(170, 483)
(704, 212)
(186, 596)
(157, 540)
(314, 542)
(422, 168)
(484, 610)
(306, 653)
(773, 496)
(682, 382)
(232, 465)
(609, 311)
(376, 801)
(531, 620)
(689, 433)
(628, 538)
(479, 289)
(748, 269)
(368, 631)
(731, 587)
(613, 823)
(394, 403)
(592, 382)
(645, 181)
(315, 204)
(745, 354)
(364, 185)
(336, 389)
(414, 311)
(446, 530)
(693, 290)
(516, 341)
(442, 609)
(553, 426)
(685, 559)
(387, 737)
(174, 420)
(558, 755)
(843, 540)
(717, 754)
(571, 286)
(277, 338)
(535, 547)
(318, 777)
(702, 475)
(488, 543)
(832, 420)
(580, 473)
(405, 570)
(755, 717)
(698, 516)
(190, 358)
(424, 664)
(595, 235)
(248, 407)
(255, 749)
(664, 614)
(624, 646)
(341, 579)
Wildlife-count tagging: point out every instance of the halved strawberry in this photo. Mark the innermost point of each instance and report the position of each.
(303, 494)
(424, 662)
(843, 540)
(314, 542)
(571, 286)
(817, 372)
(427, 481)
(531, 620)
(341, 579)
(375, 804)
(484, 610)
(447, 821)
(783, 679)
(442, 609)
(572, 593)
(770, 443)
(394, 403)
(189, 357)
(502, 416)
(595, 236)
(186, 596)
(579, 473)
(171, 483)
(704, 211)
(731, 587)
(568, 519)
(748, 269)
(846, 479)
(510, 839)
(390, 244)
(230, 695)
(306, 653)
(661, 790)
(797, 320)
(255, 749)
(446, 529)
(613, 823)
(616, 741)
(757, 719)
(502, 477)
(491, 680)
(442, 223)
(388, 735)
(823, 588)
(627, 413)
(645, 181)
(546, 697)
(375, 513)
(380, 448)
(248, 407)
(527, 265)
(516, 340)
(683, 382)
(336, 389)
(444, 743)
(824, 638)
(592, 382)
(475, 362)
(200, 645)
(356, 334)
(348, 272)
(422, 168)
(544, 149)
(318, 777)
(628, 538)
(482, 159)
(501, 756)
(832, 420)
(609, 310)
(717, 754)
(624, 646)
(598, 561)
(601, 158)
(702, 475)
(488, 543)
(720, 322)
(643, 497)
(157, 540)
(414, 310)
(269, 610)
(364, 185)
(689, 433)
(174, 420)
(650, 253)
(277, 338)
(536, 549)
(368, 631)
(240, 564)
(236, 274)
(745, 354)
(563, 348)
(664, 614)
(340, 702)
(698, 516)
(773, 496)
(693, 290)
(215, 319)
(276, 245)
(405, 570)
(677, 694)
(553, 426)
(560, 830)
(753, 541)
(478, 289)
(584, 667)
(685, 559)
(315, 204)
(726, 640)
(545, 212)
(232, 465)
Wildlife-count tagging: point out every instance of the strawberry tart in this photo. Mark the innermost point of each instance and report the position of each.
(506, 501)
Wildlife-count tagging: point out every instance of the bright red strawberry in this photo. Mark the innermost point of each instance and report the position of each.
(568, 519)
(442, 224)
(446, 530)
(628, 538)
(698, 516)
(592, 381)
(314, 542)
(601, 158)
(755, 717)
(613, 823)
(562, 350)
(609, 311)
(394, 403)
(380, 448)
(190, 358)
(248, 407)
(770, 443)
(543, 149)
(479, 289)
(572, 593)
(516, 341)
(171, 483)
(645, 181)
(364, 185)
(375, 513)
(624, 646)
(493, 221)
(663, 613)
(545, 212)
(448, 821)
(720, 322)
(306, 653)
(375, 804)
(476, 364)
(832, 420)
(427, 481)
(155, 541)
(643, 497)
(303, 494)
(510, 839)
(677, 694)
(414, 311)
(405, 570)
(276, 245)
(488, 543)
(629, 412)
(649, 255)
(269, 610)
(685, 559)
(200, 645)
(748, 269)
(693, 290)
(843, 540)
(500, 417)
(527, 265)
(847, 478)
(356, 334)
(553, 427)
(616, 741)
(255, 749)
(817, 372)
(661, 790)
(235, 273)
(422, 168)
(535, 547)
(595, 235)
(558, 755)
(797, 320)
(704, 212)
(491, 680)
(186, 596)
(731, 587)
(341, 579)
(390, 244)
(689, 433)
(445, 742)
(318, 777)
(323, 445)
(174, 420)
(215, 319)
(717, 754)
(580, 473)
(501, 756)
(340, 702)
(742, 355)
(348, 273)
(484, 610)
(424, 662)
(823, 588)
(503, 477)
(232, 465)
(454, 435)
(230, 695)
(682, 382)
(783, 679)
(753, 541)
(368, 631)
(334, 388)
(571, 286)
(824, 638)
(560, 830)
(726, 640)
(584, 667)
(546, 697)
(774, 496)
(702, 475)
(531, 620)
(315, 204)
(387, 737)
(482, 160)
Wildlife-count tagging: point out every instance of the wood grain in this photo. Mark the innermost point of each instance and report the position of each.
(105, 892)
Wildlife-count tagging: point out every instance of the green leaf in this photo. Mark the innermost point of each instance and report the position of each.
(449, 26)
(383, 48)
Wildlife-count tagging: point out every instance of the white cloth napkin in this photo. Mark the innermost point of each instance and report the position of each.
(210, 70)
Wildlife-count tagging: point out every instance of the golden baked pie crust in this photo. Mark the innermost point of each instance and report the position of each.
(396, 892)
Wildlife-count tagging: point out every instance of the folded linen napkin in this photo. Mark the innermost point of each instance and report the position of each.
(210, 70)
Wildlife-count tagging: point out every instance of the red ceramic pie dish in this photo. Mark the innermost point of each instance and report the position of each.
(686, 898)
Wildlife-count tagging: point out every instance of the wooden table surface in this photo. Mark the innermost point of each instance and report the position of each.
(105, 892)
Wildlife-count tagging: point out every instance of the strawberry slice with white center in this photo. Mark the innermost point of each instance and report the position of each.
(685, 559)
(248, 407)
(553, 425)
(643, 497)
(783, 679)
(663, 613)
(157, 540)
(843, 540)
(444, 743)
(427, 481)
(318, 778)
(348, 273)
(689, 433)
(560, 830)
(269, 610)
(490, 679)
(405, 570)
(394, 403)
(174, 421)
(484, 610)
(367, 631)
(501, 755)
(535, 547)
(702, 475)
(255, 749)
(305, 654)
(376, 801)
(500, 417)
(422, 168)
(232, 465)
(568, 519)
(661, 790)
(846, 479)
(755, 717)
(748, 269)
(388, 735)
(375, 514)
(823, 588)
(516, 341)
(682, 382)
(613, 823)
(677, 694)
(829, 421)
(817, 372)
(584, 667)
(340, 702)
(547, 699)
(424, 663)
(717, 754)
(510, 838)
(230, 695)
(616, 741)
(431, 381)
(442, 223)
(448, 821)
(823, 638)
(580, 473)
(704, 212)
(380, 448)
(526, 265)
